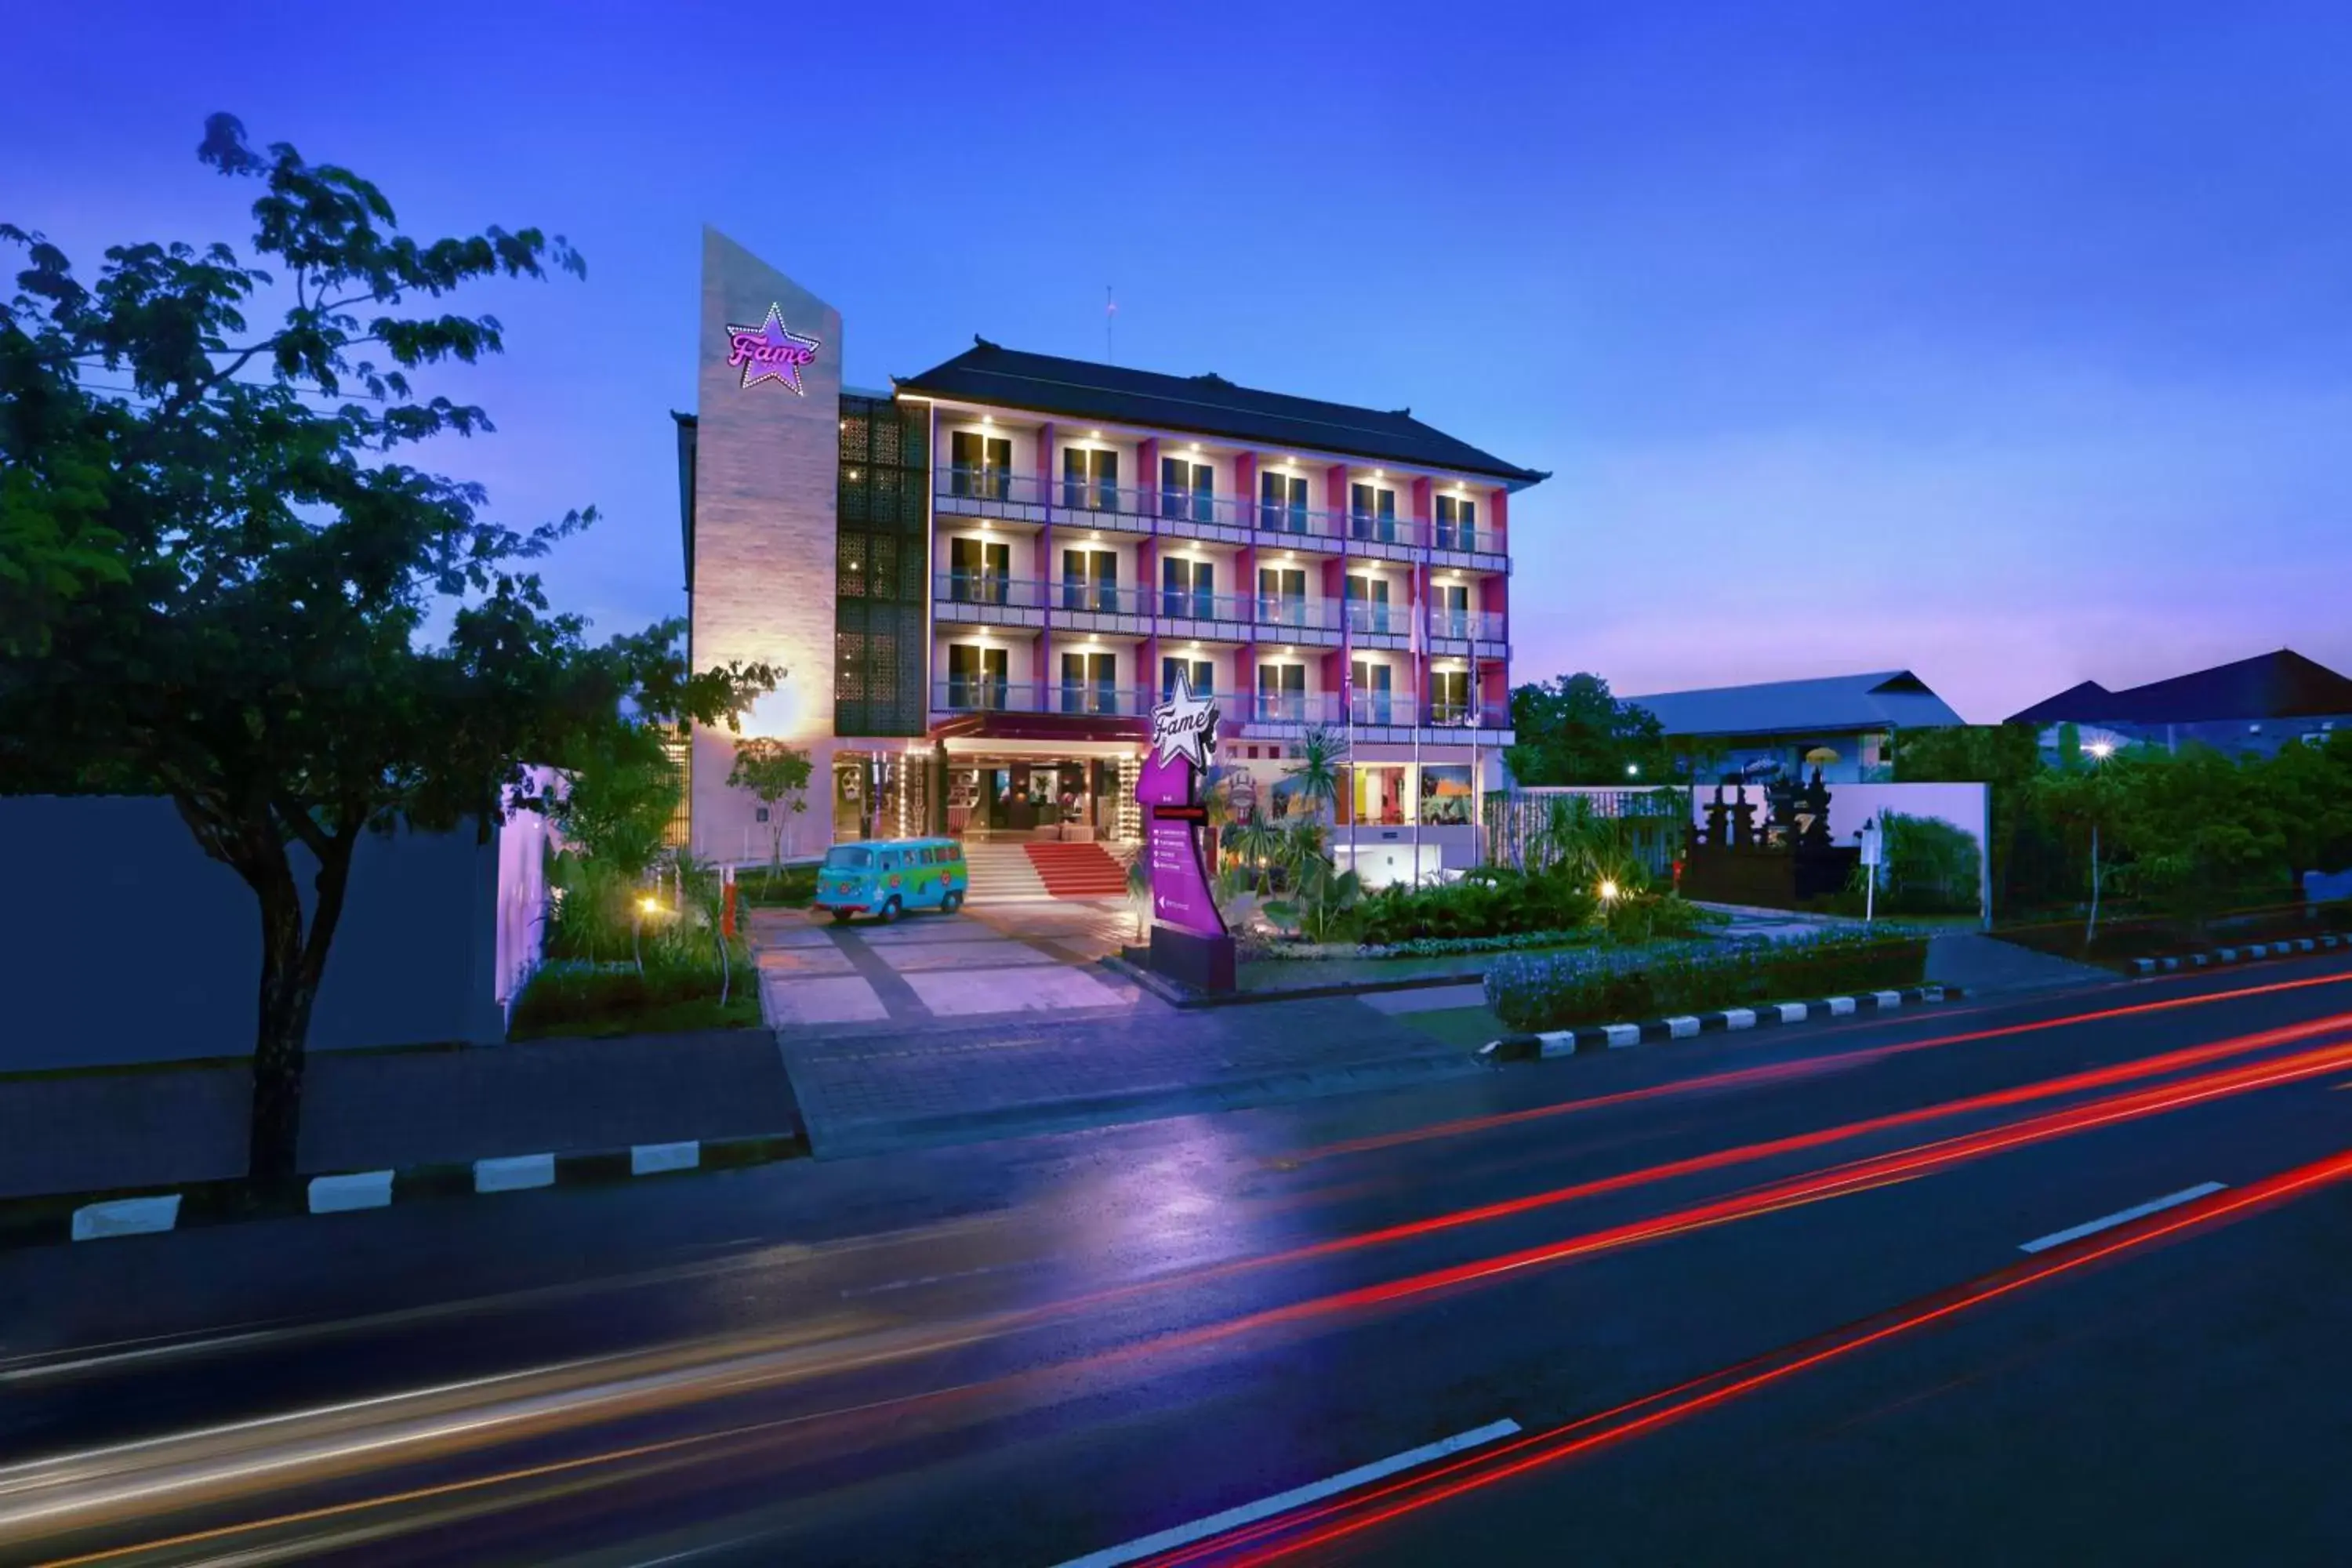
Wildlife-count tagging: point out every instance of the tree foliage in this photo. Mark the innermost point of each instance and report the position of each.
(778, 776)
(1571, 731)
(236, 572)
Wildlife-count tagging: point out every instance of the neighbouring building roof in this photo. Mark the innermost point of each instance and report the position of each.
(1200, 405)
(2281, 685)
(1884, 700)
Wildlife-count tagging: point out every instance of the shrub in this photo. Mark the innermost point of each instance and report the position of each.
(1492, 900)
(1557, 991)
(574, 996)
(789, 886)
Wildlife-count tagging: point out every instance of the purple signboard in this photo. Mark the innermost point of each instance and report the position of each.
(771, 352)
(1183, 741)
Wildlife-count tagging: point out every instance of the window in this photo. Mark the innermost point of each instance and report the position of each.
(1449, 697)
(1282, 595)
(976, 676)
(1187, 490)
(979, 571)
(1282, 502)
(1089, 683)
(1281, 691)
(1380, 795)
(1445, 795)
(1089, 580)
(1089, 479)
(1371, 690)
(1200, 672)
(982, 465)
(1371, 513)
(1367, 603)
(1450, 610)
(1187, 588)
(1458, 522)
(848, 857)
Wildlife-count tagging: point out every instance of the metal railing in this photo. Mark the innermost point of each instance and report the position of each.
(1152, 508)
(1102, 598)
(1462, 625)
(1376, 617)
(981, 694)
(993, 588)
(1472, 714)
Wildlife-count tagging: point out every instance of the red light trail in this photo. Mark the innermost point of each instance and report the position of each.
(1769, 1072)
(1692, 1397)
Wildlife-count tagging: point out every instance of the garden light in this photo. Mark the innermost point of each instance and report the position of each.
(1633, 769)
(2102, 750)
(650, 905)
(1608, 890)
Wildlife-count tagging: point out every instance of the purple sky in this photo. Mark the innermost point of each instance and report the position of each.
(2011, 347)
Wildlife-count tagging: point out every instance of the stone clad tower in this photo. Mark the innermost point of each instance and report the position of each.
(761, 532)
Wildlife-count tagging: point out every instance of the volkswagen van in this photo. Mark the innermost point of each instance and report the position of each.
(888, 876)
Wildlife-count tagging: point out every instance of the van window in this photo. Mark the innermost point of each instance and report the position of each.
(847, 858)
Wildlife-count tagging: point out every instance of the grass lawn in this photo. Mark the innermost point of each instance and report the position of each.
(1468, 1027)
(570, 1000)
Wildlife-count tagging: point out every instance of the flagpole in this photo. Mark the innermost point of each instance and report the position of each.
(1477, 800)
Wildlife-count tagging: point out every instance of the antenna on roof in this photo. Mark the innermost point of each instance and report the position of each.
(1110, 317)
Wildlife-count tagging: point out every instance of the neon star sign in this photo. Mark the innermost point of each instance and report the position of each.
(769, 352)
(1185, 726)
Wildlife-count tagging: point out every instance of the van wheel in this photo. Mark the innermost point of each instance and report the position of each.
(890, 911)
(841, 917)
(952, 903)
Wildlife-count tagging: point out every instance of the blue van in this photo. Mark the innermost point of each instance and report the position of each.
(886, 877)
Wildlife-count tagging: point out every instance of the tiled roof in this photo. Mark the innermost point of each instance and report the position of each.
(1886, 699)
(1202, 406)
(2281, 685)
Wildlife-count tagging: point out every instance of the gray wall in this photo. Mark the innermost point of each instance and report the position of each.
(122, 943)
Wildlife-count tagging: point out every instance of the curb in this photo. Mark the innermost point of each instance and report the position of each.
(2293, 947)
(47, 1218)
(1770, 1015)
(1177, 995)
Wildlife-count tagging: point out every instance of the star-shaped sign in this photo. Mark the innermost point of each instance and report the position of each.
(1185, 726)
(771, 352)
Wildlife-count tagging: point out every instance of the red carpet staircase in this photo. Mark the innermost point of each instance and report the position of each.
(1078, 870)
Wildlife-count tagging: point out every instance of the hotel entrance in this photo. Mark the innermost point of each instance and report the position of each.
(1071, 799)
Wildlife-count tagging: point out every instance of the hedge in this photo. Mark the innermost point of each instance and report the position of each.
(1609, 985)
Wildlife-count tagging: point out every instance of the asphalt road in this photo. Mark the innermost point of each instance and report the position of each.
(1742, 1299)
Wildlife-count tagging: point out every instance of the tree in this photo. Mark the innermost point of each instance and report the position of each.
(621, 796)
(778, 775)
(1572, 731)
(1314, 772)
(258, 649)
(2008, 758)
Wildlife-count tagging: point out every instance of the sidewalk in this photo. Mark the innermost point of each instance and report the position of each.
(864, 1093)
(364, 1110)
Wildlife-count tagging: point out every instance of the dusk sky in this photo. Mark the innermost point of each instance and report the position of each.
(2009, 343)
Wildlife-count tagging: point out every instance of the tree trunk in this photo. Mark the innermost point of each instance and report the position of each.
(283, 1028)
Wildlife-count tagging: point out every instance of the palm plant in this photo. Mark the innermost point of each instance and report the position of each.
(1322, 752)
(1257, 842)
(1303, 842)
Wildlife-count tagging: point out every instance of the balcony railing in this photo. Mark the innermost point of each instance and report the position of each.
(987, 588)
(1153, 509)
(1281, 611)
(1375, 616)
(983, 694)
(1443, 713)
(1184, 604)
(1102, 598)
(1485, 625)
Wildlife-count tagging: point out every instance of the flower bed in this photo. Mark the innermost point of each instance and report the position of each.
(1607, 985)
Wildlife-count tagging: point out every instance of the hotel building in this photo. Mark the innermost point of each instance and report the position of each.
(979, 582)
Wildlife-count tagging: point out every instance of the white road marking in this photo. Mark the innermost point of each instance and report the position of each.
(2121, 1216)
(1282, 1502)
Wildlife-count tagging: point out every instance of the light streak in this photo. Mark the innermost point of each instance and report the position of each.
(1767, 1072)
(1697, 1395)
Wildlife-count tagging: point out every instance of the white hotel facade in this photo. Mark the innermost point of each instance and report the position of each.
(979, 581)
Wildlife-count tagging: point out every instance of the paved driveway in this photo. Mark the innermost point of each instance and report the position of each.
(868, 978)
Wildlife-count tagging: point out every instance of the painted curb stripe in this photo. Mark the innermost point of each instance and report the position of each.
(1681, 1028)
(513, 1173)
(1621, 1035)
(1791, 1012)
(651, 1159)
(1740, 1018)
(359, 1190)
(126, 1216)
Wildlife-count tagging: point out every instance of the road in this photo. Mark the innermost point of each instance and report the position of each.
(1753, 1298)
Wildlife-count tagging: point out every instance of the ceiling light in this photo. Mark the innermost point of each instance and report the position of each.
(1194, 446)
(1094, 435)
(1379, 473)
(987, 419)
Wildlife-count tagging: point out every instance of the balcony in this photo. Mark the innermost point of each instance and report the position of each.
(983, 694)
(1001, 492)
(1372, 618)
(1466, 626)
(987, 589)
(1475, 714)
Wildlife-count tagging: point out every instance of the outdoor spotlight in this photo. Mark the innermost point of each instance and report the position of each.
(1608, 890)
(2100, 749)
(1633, 769)
(650, 905)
